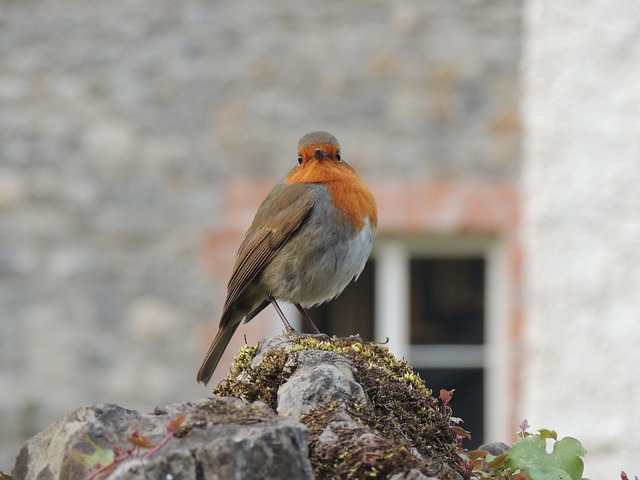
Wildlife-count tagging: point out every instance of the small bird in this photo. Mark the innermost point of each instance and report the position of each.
(310, 238)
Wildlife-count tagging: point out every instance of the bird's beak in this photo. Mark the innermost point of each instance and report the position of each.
(319, 154)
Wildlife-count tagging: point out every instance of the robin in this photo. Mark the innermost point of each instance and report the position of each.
(310, 238)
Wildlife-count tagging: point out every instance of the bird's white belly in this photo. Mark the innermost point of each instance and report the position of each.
(332, 268)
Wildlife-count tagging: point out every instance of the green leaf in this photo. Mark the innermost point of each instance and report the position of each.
(531, 456)
(537, 473)
(566, 454)
(99, 456)
(545, 433)
(529, 451)
(496, 462)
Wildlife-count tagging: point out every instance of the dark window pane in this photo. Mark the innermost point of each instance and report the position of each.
(352, 312)
(468, 398)
(447, 301)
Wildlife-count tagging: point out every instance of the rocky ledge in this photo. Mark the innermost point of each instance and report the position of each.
(297, 407)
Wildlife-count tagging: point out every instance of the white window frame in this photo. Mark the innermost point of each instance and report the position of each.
(392, 255)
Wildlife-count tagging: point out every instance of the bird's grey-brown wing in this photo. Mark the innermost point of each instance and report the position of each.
(280, 215)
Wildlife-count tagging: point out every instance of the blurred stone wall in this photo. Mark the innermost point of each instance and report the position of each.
(122, 121)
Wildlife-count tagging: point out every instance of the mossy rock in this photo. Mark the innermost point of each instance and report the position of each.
(401, 427)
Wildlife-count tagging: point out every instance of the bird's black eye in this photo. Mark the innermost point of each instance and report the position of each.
(339, 156)
(299, 159)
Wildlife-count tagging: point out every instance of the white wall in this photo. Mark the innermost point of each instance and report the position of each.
(581, 185)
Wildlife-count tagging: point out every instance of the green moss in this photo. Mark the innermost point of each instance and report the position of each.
(260, 383)
(347, 456)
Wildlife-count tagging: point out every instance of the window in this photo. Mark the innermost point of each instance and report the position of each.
(435, 300)
(446, 331)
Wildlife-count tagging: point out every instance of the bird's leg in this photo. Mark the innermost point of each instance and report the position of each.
(307, 318)
(287, 325)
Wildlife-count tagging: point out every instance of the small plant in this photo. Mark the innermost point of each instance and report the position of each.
(529, 455)
(528, 459)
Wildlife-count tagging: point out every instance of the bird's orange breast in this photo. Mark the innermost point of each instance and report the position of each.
(348, 193)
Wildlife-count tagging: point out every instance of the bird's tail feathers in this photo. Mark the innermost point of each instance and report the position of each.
(217, 348)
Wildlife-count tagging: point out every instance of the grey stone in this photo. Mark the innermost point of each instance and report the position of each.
(226, 440)
(494, 448)
(320, 377)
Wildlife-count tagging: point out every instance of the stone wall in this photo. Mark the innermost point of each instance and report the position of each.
(120, 122)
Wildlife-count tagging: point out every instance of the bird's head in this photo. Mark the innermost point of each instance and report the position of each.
(318, 146)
